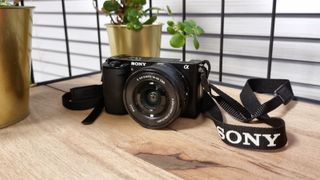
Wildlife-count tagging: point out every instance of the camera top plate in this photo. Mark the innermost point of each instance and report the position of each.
(152, 60)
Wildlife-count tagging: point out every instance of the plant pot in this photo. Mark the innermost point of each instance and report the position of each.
(145, 43)
(15, 47)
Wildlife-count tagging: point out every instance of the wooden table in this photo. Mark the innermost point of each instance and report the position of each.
(52, 144)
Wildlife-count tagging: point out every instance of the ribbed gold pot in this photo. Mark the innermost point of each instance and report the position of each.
(145, 43)
(15, 47)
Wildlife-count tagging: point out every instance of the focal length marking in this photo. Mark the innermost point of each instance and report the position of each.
(151, 77)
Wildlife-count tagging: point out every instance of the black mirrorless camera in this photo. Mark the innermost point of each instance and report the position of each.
(154, 91)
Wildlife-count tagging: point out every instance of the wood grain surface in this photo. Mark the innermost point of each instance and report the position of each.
(52, 144)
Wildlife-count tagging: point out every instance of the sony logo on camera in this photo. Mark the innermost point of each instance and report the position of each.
(138, 64)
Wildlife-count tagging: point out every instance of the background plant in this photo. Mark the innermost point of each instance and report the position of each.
(181, 30)
(132, 14)
(129, 12)
(7, 3)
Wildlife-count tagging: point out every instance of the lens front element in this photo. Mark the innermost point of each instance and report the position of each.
(152, 97)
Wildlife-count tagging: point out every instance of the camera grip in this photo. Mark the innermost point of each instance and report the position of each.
(114, 78)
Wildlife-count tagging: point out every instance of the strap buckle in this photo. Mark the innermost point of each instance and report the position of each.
(284, 92)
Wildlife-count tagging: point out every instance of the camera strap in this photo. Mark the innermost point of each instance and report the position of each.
(85, 97)
(248, 137)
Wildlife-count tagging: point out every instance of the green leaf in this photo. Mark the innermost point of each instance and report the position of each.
(132, 14)
(111, 5)
(170, 23)
(6, 3)
(199, 30)
(180, 26)
(169, 11)
(130, 25)
(137, 26)
(196, 43)
(188, 30)
(152, 9)
(132, 18)
(190, 23)
(178, 40)
(139, 2)
(171, 30)
(151, 20)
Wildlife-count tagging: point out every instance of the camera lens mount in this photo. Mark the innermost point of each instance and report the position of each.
(154, 96)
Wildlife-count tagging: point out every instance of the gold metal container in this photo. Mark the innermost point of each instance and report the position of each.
(15, 48)
(145, 43)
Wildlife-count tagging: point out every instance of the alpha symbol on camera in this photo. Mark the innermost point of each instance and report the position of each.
(186, 66)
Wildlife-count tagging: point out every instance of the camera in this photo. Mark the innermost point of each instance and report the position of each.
(156, 91)
(153, 91)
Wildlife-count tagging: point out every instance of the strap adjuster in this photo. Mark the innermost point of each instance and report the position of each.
(284, 92)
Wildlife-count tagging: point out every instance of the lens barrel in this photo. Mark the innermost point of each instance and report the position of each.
(154, 96)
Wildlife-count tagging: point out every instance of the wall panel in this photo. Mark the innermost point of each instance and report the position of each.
(246, 39)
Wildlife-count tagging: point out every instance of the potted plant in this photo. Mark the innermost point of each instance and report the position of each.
(133, 31)
(15, 40)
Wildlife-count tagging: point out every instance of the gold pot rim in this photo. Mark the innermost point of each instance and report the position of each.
(17, 7)
(125, 26)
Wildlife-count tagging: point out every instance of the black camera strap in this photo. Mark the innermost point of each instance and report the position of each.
(85, 97)
(248, 137)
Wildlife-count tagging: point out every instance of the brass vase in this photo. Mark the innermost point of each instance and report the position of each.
(15, 47)
(144, 43)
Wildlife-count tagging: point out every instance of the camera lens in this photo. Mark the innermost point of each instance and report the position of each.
(152, 97)
(155, 95)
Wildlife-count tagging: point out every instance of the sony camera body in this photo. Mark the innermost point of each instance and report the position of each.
(154, 91)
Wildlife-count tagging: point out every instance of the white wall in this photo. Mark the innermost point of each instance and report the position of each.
(297, 60)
